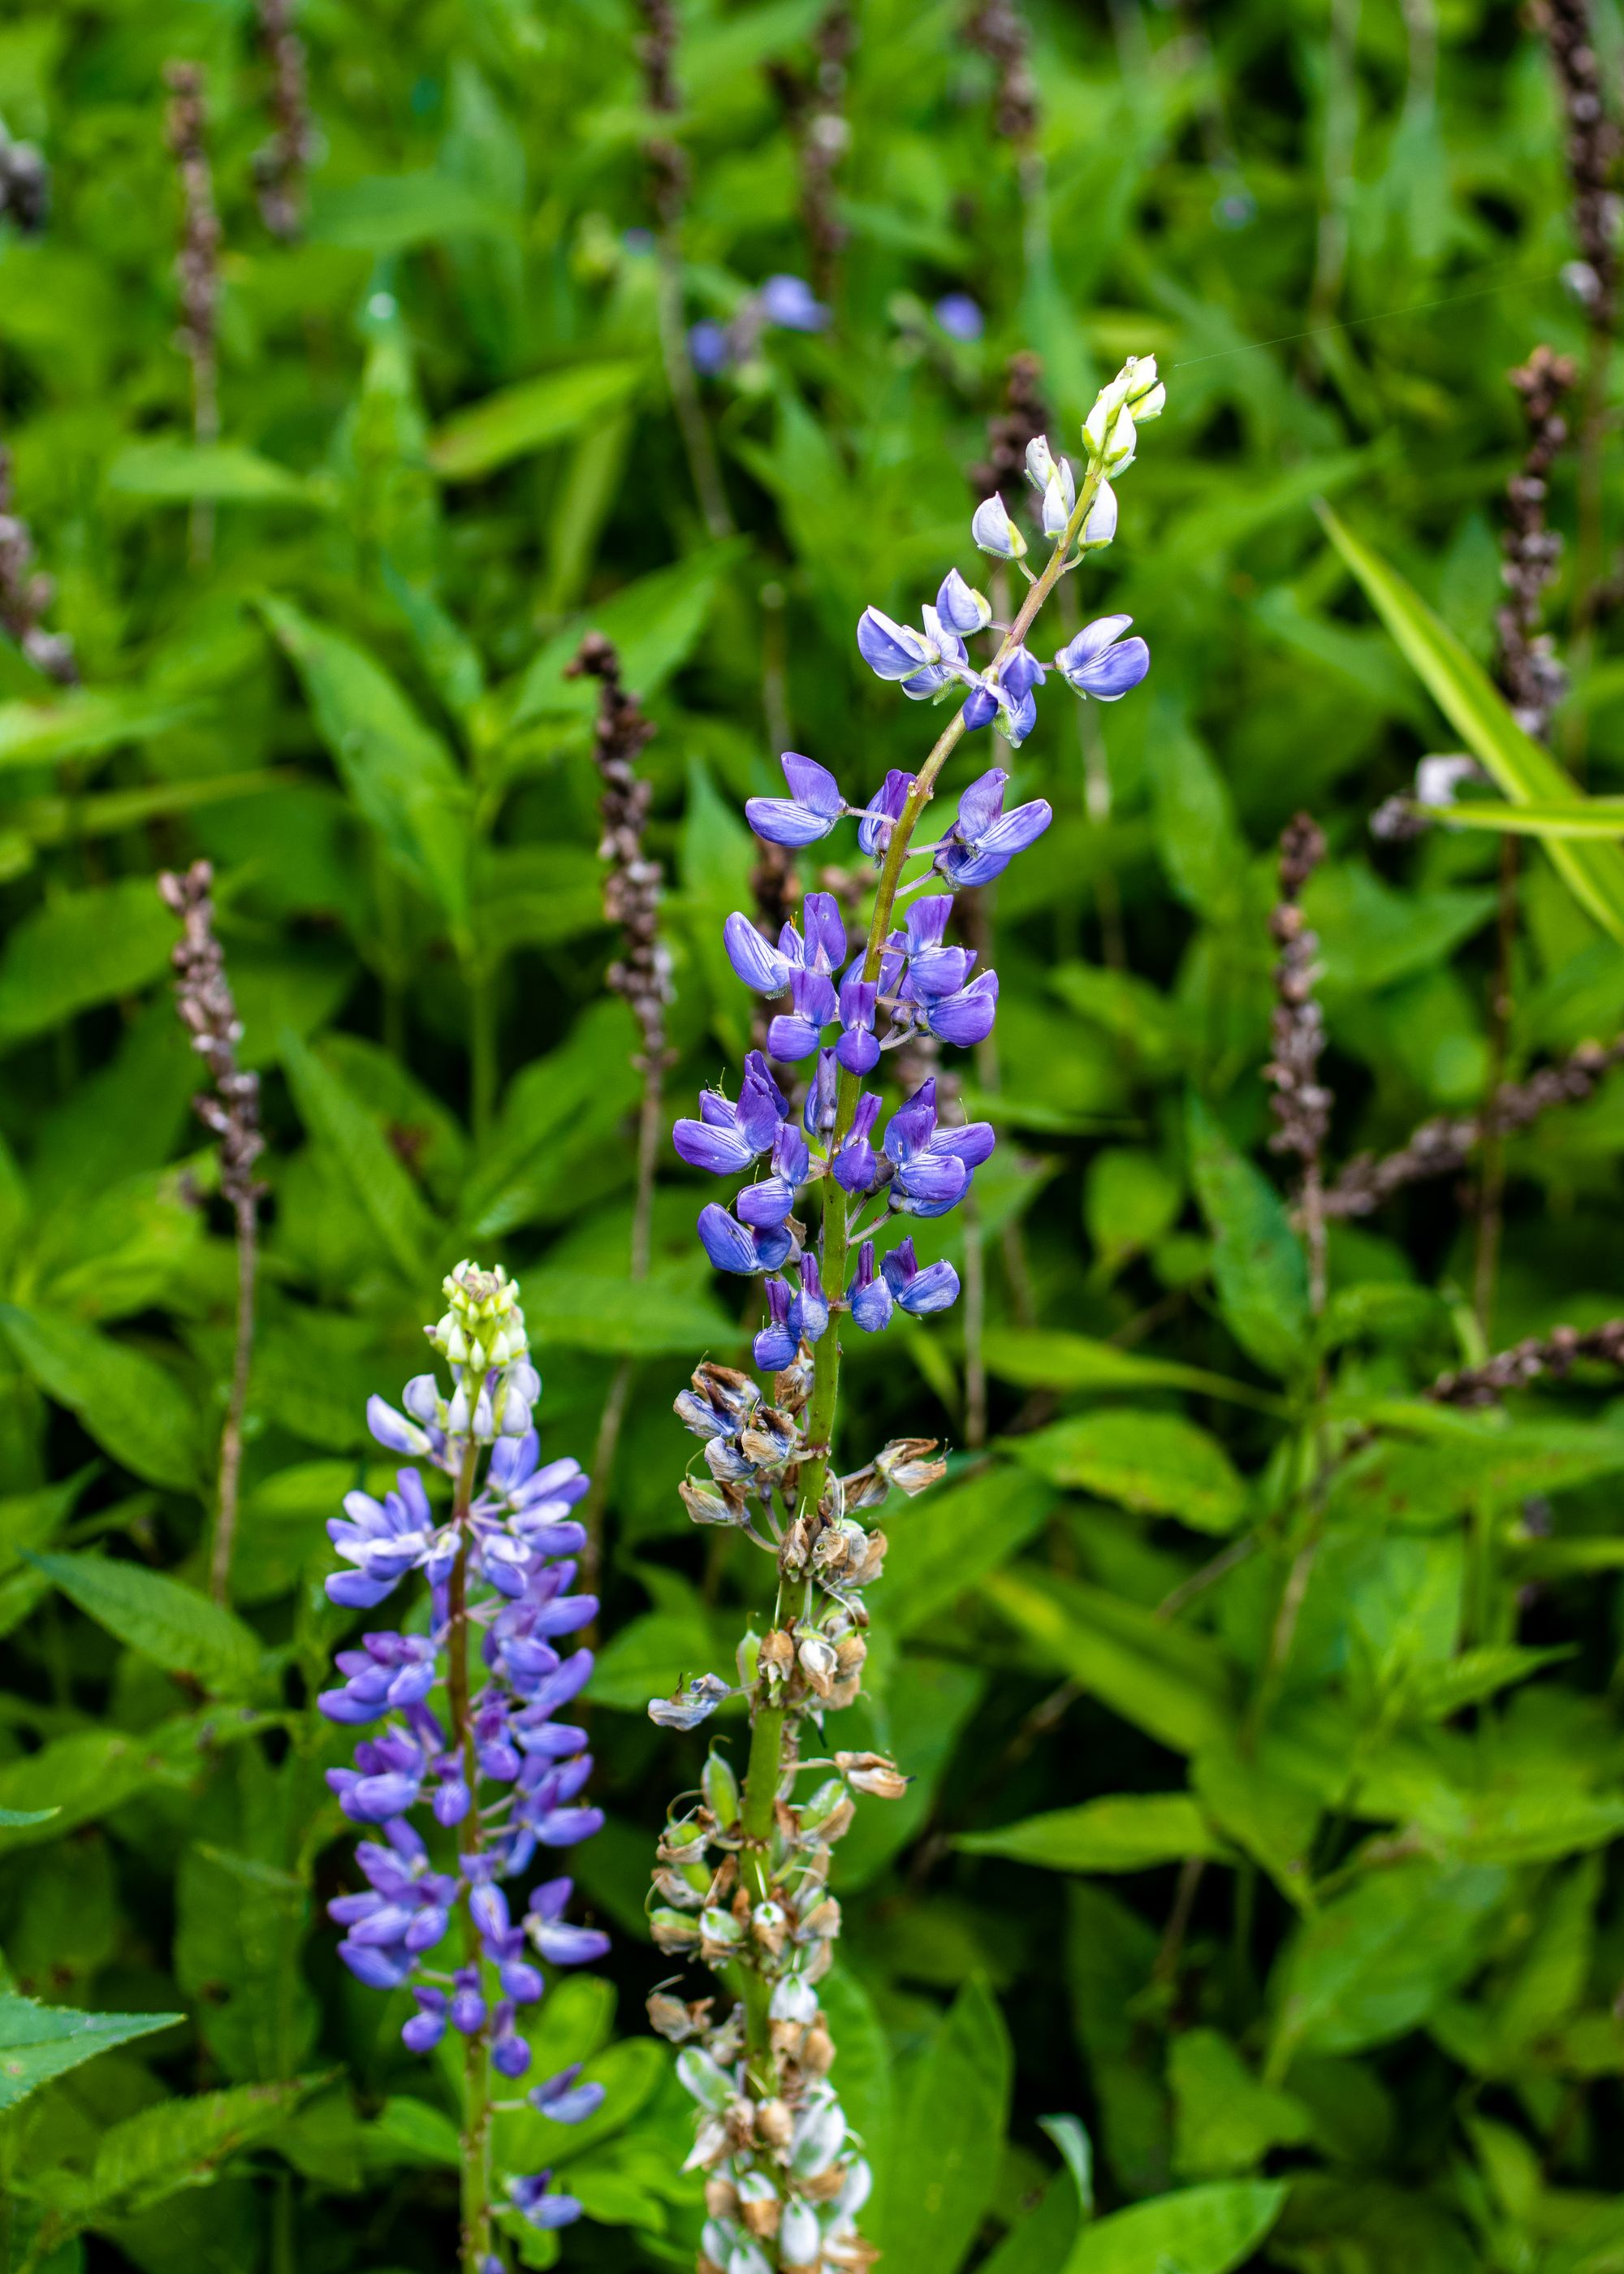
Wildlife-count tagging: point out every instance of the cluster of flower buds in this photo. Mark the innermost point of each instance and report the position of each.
(785, 2177)
(499, 1775)
(787, 304)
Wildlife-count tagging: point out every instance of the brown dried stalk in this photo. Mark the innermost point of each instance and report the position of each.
(197, 266)
(641, 973)
(1301, 1102)
(26, 593)
(1526, 1361)
(231, 1110)
(1444, 1145)
(996, 29)
(1025, 415)
(668, 176)
(280, 168)
(815, 105)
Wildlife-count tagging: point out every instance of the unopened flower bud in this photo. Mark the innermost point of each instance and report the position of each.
(770, 1927)
(800, 2239)
(1039, 462)
(818, 2050)
(778, 1656)
(699, 2074)
(774, 2123)
(721, 2198)
(759, 2203)
(672, 1933)
(720, 1788)
(1101, 525)
(994, 532)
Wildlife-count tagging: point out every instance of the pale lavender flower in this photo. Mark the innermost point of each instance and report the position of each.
(1100, 662)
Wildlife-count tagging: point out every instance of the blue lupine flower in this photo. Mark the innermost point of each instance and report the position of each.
(965, 1018)
(508, 1539)
(809, 1310)
(933, 1165)
(734, 1246)
(817, 1115)
(729, 1137)
(790, 302)
(564, 2100)
(1100, 662)
(869, 1297)
(774, 1347)
(796, 1034)
(881, 816)
(810, 810)
(855, 1167)
(858, 1049)
(819, 946)
(960, 607)
(920, 1292)
(710, 349)
(984, 838)
(543, 2210)
(960, 317)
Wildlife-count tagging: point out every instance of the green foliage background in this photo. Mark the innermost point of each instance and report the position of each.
(1318, 1944)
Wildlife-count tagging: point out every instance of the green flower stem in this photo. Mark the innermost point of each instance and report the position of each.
(475, 2156)
(765, 1769)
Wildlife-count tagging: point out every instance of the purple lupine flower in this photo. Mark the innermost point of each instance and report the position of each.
(869, 1296)
(810, 811)
(710, 349)
(817, 1114)
(858, 1049)
(564, 2100)
(515, 1540)
(854, 1167)
(923, 663)
(965, 1017)
(881, 816)
(994, 532)
(920, 1292)
(933, 1165)
(790, 303)
(960, 317)
(727, 1137)
(734, 1246)
(984, 838)
(542, 2209)
(960, 607)
(809, 1310)
(1100, 662)
(774, 1347)
(820, 947)
(797, 1033)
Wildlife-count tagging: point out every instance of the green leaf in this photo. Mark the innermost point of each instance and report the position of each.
(1046, 1358)
(1207, 2230)
(1258, 1263)
(1169, 1682)
(1225, 2121)
(79, 949)
(1157, 1463)
(948, 2140)
(398, 771)
(410, 1233)
(655, 623)
(77, 1779)
(178, 2143)
(575, 1310)
(225, 473)
(1130, 1832)
(1589, 816)
(390, 213)
(240, 1927)
(12, 1820)
(40, 2042)
(1264, 1809)
(530, 416)
(177, 1628)
(1424, 1485)
(1374, 1963)
(944, 1543)
(133, 1409)
(85, 724)
(1523, 770)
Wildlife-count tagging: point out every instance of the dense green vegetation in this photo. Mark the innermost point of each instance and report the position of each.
(1263, 1716)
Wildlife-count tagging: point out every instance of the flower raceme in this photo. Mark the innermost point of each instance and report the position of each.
(478, 1748)
(742, 1878)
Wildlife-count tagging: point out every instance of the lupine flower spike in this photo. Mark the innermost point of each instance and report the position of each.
(740, 1882)
(467, 1777)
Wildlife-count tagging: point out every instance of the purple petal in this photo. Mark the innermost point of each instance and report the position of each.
(890, 650)
(781, 822)
(725, 1241)
(757, 961)
(966, 1018)
(724, 1152)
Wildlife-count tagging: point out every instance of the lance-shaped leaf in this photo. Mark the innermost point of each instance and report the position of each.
(178, 2143)
(80, 949)
(1258, 1261)
(1157, 1463)
(1199, 2230)
(398, 771)
(132, 1407)
(404, 1223)
(40, 2042)
(1522, 768)
(947, 2140)
(1128, 1832)
(172, 1625)
(527, 417)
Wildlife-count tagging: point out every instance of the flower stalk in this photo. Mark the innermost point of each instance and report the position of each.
(207, 1011)
(197, 266)
(742, 1879)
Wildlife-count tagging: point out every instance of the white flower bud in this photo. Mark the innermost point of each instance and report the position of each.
(793, 2000)
(818, 1663)
(717, 2239)
(1040, 462)
(749, 2258)
(799, 2237)
(994, 532)
(456, 1413)
(858, 2187)
(1101, 525)
(698, 2074)
(818, 2137)
(1059, 497)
